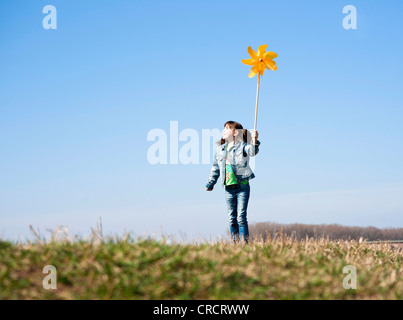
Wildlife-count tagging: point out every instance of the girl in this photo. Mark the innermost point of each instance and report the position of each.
(231, 162)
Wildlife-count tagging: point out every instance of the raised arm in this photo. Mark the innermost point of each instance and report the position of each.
(252, 149)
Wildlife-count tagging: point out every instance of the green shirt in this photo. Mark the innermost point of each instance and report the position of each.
(230, 177)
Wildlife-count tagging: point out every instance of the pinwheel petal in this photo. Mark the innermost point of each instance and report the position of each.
(252, 72)
(261, 50)
(269, 55)
(249, 62)
(261, 67)
(270, 64)
(252, 53)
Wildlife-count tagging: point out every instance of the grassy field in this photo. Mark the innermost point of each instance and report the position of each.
(127, 268)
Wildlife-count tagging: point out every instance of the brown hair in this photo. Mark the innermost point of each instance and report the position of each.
(246, 136)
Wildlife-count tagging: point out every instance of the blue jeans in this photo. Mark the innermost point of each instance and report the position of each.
(237, 197)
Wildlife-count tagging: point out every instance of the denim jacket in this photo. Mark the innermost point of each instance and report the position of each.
(239, 155)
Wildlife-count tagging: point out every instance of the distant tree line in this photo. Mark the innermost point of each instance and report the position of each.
(265, 230)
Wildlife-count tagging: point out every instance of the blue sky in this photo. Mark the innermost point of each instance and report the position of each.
(77, 104)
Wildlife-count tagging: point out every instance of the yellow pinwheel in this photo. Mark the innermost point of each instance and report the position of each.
(260, 60)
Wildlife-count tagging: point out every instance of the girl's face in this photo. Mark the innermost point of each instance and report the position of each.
(227, 133)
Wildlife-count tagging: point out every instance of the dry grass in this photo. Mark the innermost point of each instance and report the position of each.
(127, 268)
